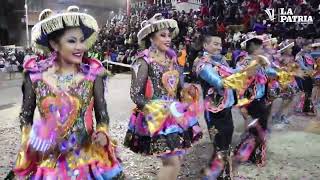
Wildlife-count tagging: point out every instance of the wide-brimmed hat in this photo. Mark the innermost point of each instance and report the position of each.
(265, 38)
(154, 24)
(247, 37)
(51, 22)
(285, 45)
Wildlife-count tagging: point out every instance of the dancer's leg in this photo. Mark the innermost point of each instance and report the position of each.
(245, 115)
(259, 110)
(221, 128)
(170, 168)
(307, 87)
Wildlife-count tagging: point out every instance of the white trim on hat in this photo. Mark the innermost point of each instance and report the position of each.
(285, 47)
(315, 45)
(60, 21)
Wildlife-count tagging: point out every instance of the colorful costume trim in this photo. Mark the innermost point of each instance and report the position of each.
(211, 72)
(253, 145)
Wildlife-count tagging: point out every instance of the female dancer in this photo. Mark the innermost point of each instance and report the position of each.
(285, 84)
(164, 122)
(66, 87)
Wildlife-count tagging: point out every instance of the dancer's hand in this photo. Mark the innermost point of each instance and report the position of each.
(263, 60)
(100, 138)
(251, 70)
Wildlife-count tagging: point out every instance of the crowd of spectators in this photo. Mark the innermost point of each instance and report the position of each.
(230, 18)
(11, 60)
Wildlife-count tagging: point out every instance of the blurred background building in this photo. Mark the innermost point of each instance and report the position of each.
(13, 21)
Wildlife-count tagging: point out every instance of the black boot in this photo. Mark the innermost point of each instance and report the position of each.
(259, 155)
(228, 166)
(216, 167)
(252, 147)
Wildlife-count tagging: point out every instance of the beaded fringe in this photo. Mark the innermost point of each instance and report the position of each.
(161, 24)
(61, 21)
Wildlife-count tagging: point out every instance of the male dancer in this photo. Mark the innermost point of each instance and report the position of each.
(253, 145)
(307, 63)
(210, 68)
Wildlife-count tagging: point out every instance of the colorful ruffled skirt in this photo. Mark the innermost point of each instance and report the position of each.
(90, 161)
(286, 92)
(162, 136)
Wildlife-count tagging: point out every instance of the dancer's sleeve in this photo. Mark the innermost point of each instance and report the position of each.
(25, 158)
(28, 102)
(301, 63)
(138, 83)
(271, 72)
(209, 74)
(100, 104)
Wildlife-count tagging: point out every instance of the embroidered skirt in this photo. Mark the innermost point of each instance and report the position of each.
(172, 136)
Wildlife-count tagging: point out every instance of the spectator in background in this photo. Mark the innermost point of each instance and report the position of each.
(221, 29)
(182, 56)
(259, 27)
(113, 58)
(204, 10)
(2, 62)
(200, 23)
(122, 33)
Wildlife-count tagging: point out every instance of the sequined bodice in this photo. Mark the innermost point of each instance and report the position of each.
(65, 104)
(67, 107)
(155, 73)
(151, 80)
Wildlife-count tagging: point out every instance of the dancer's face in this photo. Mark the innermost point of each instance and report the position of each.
(70, 46)
(213, 45)
(162, 40)
(307, 48)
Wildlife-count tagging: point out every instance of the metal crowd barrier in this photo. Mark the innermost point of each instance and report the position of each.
(125, 65)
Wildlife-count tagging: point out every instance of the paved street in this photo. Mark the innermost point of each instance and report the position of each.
(293, 152)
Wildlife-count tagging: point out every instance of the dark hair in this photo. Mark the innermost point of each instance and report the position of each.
(147, 39)
(55, 36)
(295, 50)
(253, 44)
(151, 35)
(206, 38)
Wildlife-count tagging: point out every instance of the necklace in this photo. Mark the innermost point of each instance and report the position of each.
(64, 81)
(164, 60)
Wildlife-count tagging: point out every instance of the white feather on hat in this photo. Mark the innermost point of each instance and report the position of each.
(315, 45)
(73, 9)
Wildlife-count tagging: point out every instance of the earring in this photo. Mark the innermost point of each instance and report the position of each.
(52, 57)
(153, 48)
(55, 52)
